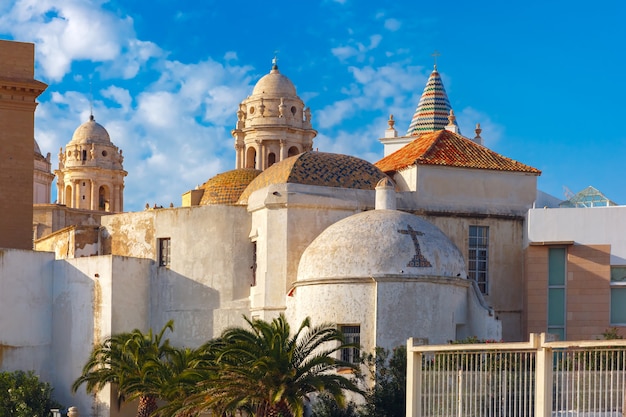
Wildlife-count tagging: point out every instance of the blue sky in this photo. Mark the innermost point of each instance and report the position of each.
(544, 78)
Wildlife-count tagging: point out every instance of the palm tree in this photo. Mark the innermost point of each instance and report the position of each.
(267, 372)
(135, 363)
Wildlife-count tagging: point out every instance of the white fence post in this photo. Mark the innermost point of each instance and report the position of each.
(543, 376)
(414, 378)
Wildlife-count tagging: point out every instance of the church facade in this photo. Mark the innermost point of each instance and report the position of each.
(428, 242)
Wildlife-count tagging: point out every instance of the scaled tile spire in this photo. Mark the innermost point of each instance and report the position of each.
(433, 109)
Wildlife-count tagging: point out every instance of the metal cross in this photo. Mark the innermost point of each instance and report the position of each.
(435, 55)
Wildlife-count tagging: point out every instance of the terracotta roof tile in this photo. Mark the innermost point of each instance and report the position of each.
(318, 168)
(226, 188)
(445, 148)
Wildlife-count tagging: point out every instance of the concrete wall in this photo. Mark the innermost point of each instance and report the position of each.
(94, 298)
(25, 311)
(206, 287)
(71, 242)
(49, 218)
(598, 225)
(286, 218)
(466, 190)
(392, 309)
(506, 261)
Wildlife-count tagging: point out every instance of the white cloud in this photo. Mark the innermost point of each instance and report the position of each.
(70, 30)
(492, 132)
(119, 95)
(392, 25)
(356, 50)
(392, 89)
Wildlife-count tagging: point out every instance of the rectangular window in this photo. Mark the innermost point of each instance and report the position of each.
(479, 256)
(352, 334)
(556, 291)
(164, 251)
(618, 295)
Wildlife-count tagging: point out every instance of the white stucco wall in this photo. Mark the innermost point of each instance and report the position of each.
(206, 287)
(466, 190)
(94, 297)
(286, 218)
(589, 226)
(25, 311)
(392, 309)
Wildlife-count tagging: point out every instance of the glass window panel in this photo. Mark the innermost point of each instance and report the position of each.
(558, 331)
(556, 307)
(618, 274)
(618, 305)
(556, 266)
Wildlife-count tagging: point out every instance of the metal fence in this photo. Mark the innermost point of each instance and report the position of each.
(547, 379)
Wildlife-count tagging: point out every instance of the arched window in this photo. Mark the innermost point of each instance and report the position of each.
(67, 198)
(271, 159)
(293, 151)
(251, 158)
(104, 198)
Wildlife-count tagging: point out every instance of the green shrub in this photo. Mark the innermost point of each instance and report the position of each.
(23, 395)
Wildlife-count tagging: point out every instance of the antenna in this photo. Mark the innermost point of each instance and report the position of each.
(90, 96)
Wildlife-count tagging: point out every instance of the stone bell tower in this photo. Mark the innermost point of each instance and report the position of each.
(90, 174)
(272, 123)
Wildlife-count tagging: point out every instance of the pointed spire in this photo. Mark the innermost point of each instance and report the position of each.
(433, 108)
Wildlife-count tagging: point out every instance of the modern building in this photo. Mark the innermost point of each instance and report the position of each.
(575, 268)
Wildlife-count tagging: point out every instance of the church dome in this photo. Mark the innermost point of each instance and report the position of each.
(37, 149)
(274, 84)
(380, 243)
(226, 188)
(318, 168)
(90, 132)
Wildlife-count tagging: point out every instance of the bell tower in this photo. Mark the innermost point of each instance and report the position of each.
(272, 123)
(90, 174)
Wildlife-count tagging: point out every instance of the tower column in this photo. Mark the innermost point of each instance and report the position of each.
(75, 194)
(282, 149)
(94, 196)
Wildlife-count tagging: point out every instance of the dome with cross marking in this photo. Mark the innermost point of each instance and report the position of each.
(381, 243)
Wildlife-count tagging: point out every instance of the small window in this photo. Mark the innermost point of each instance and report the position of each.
(618, 295)
(352, 335)
(478, 256)
(84, 155)
(164, 251)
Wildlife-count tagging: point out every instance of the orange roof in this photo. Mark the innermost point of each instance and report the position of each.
(446, 148)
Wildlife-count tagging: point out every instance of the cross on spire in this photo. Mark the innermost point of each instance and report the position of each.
(435, 55)
(418, 261)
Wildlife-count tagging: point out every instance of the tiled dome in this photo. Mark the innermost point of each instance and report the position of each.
(318, 168)
(226, 188)
(90, 132)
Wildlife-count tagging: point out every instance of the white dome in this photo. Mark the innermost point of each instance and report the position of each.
(90, 132)
(275, 84)
(381, 243)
